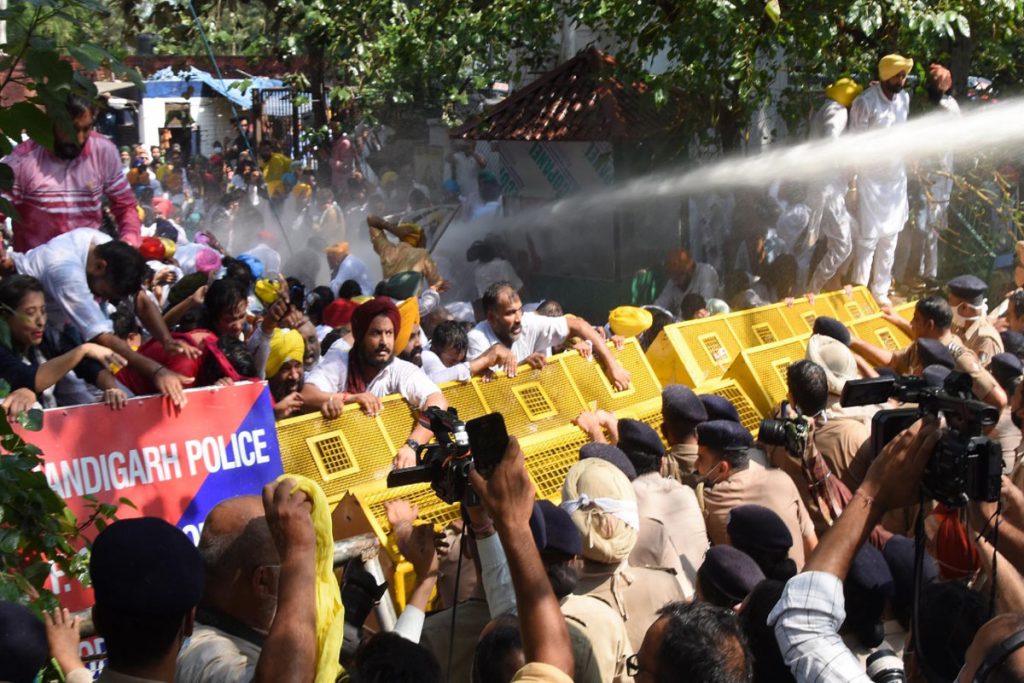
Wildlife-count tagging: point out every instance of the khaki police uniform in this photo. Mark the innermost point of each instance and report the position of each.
(982, 339)
(636, 593)
(600, 643)
(684, 455)
(654, 548)
(774, 490)
(676, 507)
(470, 619)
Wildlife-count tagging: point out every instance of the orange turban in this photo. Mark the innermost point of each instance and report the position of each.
(940, 76)
(338, 250)
(679, 262)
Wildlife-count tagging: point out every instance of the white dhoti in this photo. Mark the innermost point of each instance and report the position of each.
(883, 211)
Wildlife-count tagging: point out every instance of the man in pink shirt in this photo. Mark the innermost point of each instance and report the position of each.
(55, 192)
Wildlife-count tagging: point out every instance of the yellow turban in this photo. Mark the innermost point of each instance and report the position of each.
(169, 248)
(388, 178)
(361, 299)
(409, 310)
(338, 250)
(412, 234)
(890, 65)
(285, 345)
(844, 91)
(629, 321)
(302, 191)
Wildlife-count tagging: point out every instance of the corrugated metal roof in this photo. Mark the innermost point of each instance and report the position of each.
(580, 100)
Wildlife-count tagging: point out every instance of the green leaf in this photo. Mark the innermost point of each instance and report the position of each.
(127, 502)
(5, 388)
(963, 25)
(32, 419)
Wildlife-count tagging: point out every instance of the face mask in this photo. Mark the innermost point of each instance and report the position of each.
(965, 321)
(706, 479)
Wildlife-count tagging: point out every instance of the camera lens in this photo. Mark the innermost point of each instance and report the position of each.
(885, 667)
(772, 432)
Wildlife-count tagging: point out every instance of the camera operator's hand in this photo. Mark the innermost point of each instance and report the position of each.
(405, 457)
(509, 494)
(417, 545)
(894, 478)
(1013, 503)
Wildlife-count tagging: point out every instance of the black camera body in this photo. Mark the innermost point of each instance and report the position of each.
(965, 465)
(790, 432)
(445, 464)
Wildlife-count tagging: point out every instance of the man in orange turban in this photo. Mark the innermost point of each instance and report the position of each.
(686, 276)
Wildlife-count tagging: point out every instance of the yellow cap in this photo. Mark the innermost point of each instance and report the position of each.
(629, 321)
(170, 246)
(285, 345)
(268, 291)
(844, 91)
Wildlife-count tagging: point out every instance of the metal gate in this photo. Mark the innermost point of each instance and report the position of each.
(277, 118)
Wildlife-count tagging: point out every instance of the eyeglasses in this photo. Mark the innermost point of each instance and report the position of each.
(633, 666)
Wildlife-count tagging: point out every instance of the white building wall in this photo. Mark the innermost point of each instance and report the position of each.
(212, 115)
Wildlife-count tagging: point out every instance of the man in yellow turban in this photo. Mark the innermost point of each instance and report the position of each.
(881, 190)
(408, 254)
(829, 213)
(285, 374)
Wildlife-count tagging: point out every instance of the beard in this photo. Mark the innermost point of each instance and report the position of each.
(379, 363)
(415, 357)
(890, 89)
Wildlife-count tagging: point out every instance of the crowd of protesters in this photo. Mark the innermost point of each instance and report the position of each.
(691, 552)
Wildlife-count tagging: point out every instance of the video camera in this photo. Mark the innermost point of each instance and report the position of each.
(481, 442)
(965, 464)
(790, 432)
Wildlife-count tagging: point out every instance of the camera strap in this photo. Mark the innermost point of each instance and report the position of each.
(830, 494)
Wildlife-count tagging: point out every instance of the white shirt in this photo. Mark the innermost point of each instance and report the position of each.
(60, 266)
(496, 270)
(539, 334)
(352, 268)
(467, 172)
(438, 372)
(399, 377)
(882, 187)
(806, 621)
(703, 282)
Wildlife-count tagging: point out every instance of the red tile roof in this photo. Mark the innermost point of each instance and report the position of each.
(580, 100)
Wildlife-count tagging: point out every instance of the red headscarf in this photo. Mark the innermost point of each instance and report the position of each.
(361, 319)
(339, 312)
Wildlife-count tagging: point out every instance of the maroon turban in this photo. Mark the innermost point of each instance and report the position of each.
(361, 319)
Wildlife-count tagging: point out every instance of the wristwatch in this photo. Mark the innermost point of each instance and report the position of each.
(412, 443)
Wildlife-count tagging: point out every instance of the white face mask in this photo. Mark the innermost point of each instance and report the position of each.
(965, 321)
(706, 478)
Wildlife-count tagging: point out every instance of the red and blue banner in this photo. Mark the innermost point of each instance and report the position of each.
(170, 463)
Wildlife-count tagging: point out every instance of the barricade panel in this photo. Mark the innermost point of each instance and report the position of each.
(875, 329)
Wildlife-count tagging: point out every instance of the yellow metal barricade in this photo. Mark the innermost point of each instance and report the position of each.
(848, 307)
(757, 326)
(875, 329)
(694, 351)
(750, 414)
(802, 313)
(761, 371)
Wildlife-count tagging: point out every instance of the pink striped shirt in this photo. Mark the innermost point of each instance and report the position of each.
(54, 196)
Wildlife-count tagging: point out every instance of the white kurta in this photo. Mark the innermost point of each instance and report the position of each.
(882, 187)
(829, 215)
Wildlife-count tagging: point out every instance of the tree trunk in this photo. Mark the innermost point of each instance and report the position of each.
(316, 68)
(961, 51)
